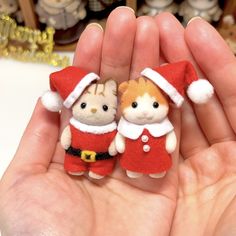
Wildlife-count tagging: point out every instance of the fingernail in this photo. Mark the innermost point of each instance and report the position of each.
(95, 24)
(125, 7)
(194, 18)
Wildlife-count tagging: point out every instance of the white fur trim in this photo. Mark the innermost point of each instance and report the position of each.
(94, 129)
(52, 101)
(133, 131)
(200, 91)
(79, 89)
(168, 88)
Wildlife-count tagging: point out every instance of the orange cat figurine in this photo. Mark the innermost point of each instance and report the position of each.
(146, 137)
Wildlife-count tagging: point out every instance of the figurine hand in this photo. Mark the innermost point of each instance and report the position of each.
(52, 21)
(120, 143)
(112, 149)
(207, 170)
(66, 138)
(171, 142)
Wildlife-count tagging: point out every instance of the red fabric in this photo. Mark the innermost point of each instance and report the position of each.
(91, 142)
(65, 80)
(155, 161)
(180, 74)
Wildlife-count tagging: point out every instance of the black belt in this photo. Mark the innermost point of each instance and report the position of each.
(88, 156)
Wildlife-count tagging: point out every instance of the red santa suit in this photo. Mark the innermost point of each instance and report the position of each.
(90, 138)
(145, 150)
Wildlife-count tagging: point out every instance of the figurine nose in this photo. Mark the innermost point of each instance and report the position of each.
(145, 113)
(93, 110)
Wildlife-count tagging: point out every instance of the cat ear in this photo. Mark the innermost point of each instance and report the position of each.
(123, 87)
(111, 85)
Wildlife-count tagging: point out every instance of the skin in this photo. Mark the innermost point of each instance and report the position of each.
(197, 197)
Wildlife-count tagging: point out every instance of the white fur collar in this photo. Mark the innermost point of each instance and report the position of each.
(93, 128)
(133, 131)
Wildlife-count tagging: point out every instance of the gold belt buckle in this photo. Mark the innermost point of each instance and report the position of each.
(88, 156)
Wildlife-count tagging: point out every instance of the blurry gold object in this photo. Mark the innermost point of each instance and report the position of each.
(25, 44)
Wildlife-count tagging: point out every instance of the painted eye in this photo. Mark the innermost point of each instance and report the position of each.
(134, 104)
(83, 105)
(105, 107)
(155, 105)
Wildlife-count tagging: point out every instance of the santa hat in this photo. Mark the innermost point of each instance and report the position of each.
(175, 78)
(66, 87)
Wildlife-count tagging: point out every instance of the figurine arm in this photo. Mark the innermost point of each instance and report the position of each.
(171, 142)
(66, 138)
(216, 14)
(112, 149)
(120, 143)
(52, 21)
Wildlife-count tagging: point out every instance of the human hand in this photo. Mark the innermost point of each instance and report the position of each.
(37, 197)
(207, 171)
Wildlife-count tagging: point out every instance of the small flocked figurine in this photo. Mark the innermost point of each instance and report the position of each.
(88, 139)
(207, 9)
(11, 8)
(228, 31)
(62, 15)
(146, 137)
(154, 7)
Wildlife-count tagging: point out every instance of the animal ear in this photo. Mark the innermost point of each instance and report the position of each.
(111, 85)
(123, 87)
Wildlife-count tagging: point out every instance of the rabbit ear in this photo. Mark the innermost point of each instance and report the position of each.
(123, 87)
(228, 20)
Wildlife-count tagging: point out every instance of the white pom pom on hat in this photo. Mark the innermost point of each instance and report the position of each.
(52, 101)
(177, 79)
(67, 85)
(200, 91)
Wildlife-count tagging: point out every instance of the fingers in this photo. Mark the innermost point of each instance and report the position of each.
(217, 62)
(175, 118)
(213, 122)
(170, 28)
(177, 49)
(192, 138)
(89, 48)
(38, 143)
(87, 56)
(146, 46)
(118, 44)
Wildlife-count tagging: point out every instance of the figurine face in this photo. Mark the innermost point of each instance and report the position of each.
(97, 106)
(159, 3)
(8, 6)
(142, 102)
(202, 4)
(57, 3)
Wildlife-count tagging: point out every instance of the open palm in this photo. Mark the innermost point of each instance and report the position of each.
(207, 170)
(38, 198)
